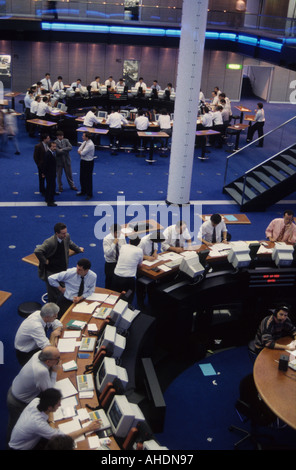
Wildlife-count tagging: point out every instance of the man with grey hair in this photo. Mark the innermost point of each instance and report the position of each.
(38, 374)
(38, 330)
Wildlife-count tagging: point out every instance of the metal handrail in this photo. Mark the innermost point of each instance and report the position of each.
(251, 143)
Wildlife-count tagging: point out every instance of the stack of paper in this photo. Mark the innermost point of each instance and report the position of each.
(67, 345)
(66, 387)
(85, 307)
(76, 324)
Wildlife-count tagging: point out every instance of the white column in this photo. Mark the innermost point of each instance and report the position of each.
(191, 51)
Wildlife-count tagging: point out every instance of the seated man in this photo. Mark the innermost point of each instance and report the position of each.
(272, 328)
(213, 231)
(38, 330)
(282, 230)
(90, 118)
(75, 284)
(115, 121)
(176, 236)
(150, 245)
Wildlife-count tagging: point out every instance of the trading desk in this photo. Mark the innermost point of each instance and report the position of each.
(277, 388)
(81, 365)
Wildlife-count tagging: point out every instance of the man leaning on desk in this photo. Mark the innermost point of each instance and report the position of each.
(282, 229)
(176, 237)
(213, 231)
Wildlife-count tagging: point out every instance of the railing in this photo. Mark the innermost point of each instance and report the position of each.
(138, 10)
(278, 139)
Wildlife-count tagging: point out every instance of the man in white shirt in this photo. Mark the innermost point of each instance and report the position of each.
(258, 125)
(130, 257)
(176, 237)
(150, 244)
(141, 121)
(95, 85)
(90, 118)
(74, 284)
(115, 121)
(112, 244)
(87, 154)
(218, 126)
(38, 330)
(58, 85)
(110, 83)
(213, 231)
(46, 83)
(33, 428)
(141, 84)
(215, 99)
(76, 86)
(43, 109)
(38, 374)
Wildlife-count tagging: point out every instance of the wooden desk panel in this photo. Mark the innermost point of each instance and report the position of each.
(4, 296)
(240, 218)
(277, 388)
(81, 365)
(32, 258)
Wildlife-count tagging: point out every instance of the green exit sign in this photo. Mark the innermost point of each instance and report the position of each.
(234, 66)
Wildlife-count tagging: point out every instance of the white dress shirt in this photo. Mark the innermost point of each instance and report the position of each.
(130, 257)
(87, 149)
(142, 85)
(109, 248)
(72, 282)
(164, 121)
(31, 333)
(217, 118)
(90, 119)
(110, 83)
(148, 246)
(260, 117)
(207, 120)
(34, 106)
(95, 86)
(42, 109)
(142, 123)
(31, 426)
(115, 120)
(28, 100)
(32, 379)
(57, 86)
(46, 83)
(171, 235)
(206, 231)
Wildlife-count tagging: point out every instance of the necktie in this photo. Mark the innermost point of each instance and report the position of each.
(152, 249)
(97, 85)
(48, 85)
(214, 235)
(116, 251)
(280, 237)
(48, 330)
(81, 287)
(177, 244)
(60, 85)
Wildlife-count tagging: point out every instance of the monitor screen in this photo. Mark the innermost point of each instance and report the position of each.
(120, 415)
(59, 105)
(102, 114)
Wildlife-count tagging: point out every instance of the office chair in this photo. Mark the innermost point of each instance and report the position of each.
(250, 407)
(253, 353)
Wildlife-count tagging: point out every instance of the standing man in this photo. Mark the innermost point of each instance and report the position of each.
(63, 159)
(175, 237)
(38, 330)
(75, 284)
(258, 125)
(213, 231)
(130, 257)
(46, 86)
(50, 171)
(150, 245)
(282, 230)
(53, 256)
(87, 153)
(112, 244)
(115, 121)
(39, 153)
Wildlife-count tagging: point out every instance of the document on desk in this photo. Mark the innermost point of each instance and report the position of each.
(71, 426)
(70, 365)
(97, 297)
(66, 387)
(111, 299)
(219, 249)
(72, 334)
(85, 307)
(67, 345)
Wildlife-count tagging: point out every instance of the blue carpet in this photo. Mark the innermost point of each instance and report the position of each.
(200, 408)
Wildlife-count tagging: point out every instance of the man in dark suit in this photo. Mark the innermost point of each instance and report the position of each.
(53, 256)
(39, 152)
(50, 171)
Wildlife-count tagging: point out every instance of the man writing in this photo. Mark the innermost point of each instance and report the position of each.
(213, 231)
(282, 230)
(74, 285)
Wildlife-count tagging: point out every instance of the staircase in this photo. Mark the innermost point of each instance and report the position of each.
(266, 183)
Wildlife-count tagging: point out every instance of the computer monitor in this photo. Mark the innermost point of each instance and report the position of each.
(172, 96)
(192, 266)
(120, 89)
(125, 113)
(118, 346)
(62, 107)
(282, 254)
(153, 445)
(138, 415)
(161, 94)
(118, 309)
(102, 114)
(108, 372)
(103, 90)
(239, 255)
(120, 415)
(134, 90)
(126, 319)
(108, 338)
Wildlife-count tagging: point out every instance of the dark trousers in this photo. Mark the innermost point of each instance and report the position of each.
(86, 177)
(109, 272)
(64, 304)
(124, 284)
(41, 182)
(258, 126)
(15, 408)
(50, 188)
(24, 357)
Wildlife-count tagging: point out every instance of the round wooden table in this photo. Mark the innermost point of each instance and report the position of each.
(277, 388)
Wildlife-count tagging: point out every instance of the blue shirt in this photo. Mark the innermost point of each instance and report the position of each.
(72, 282)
